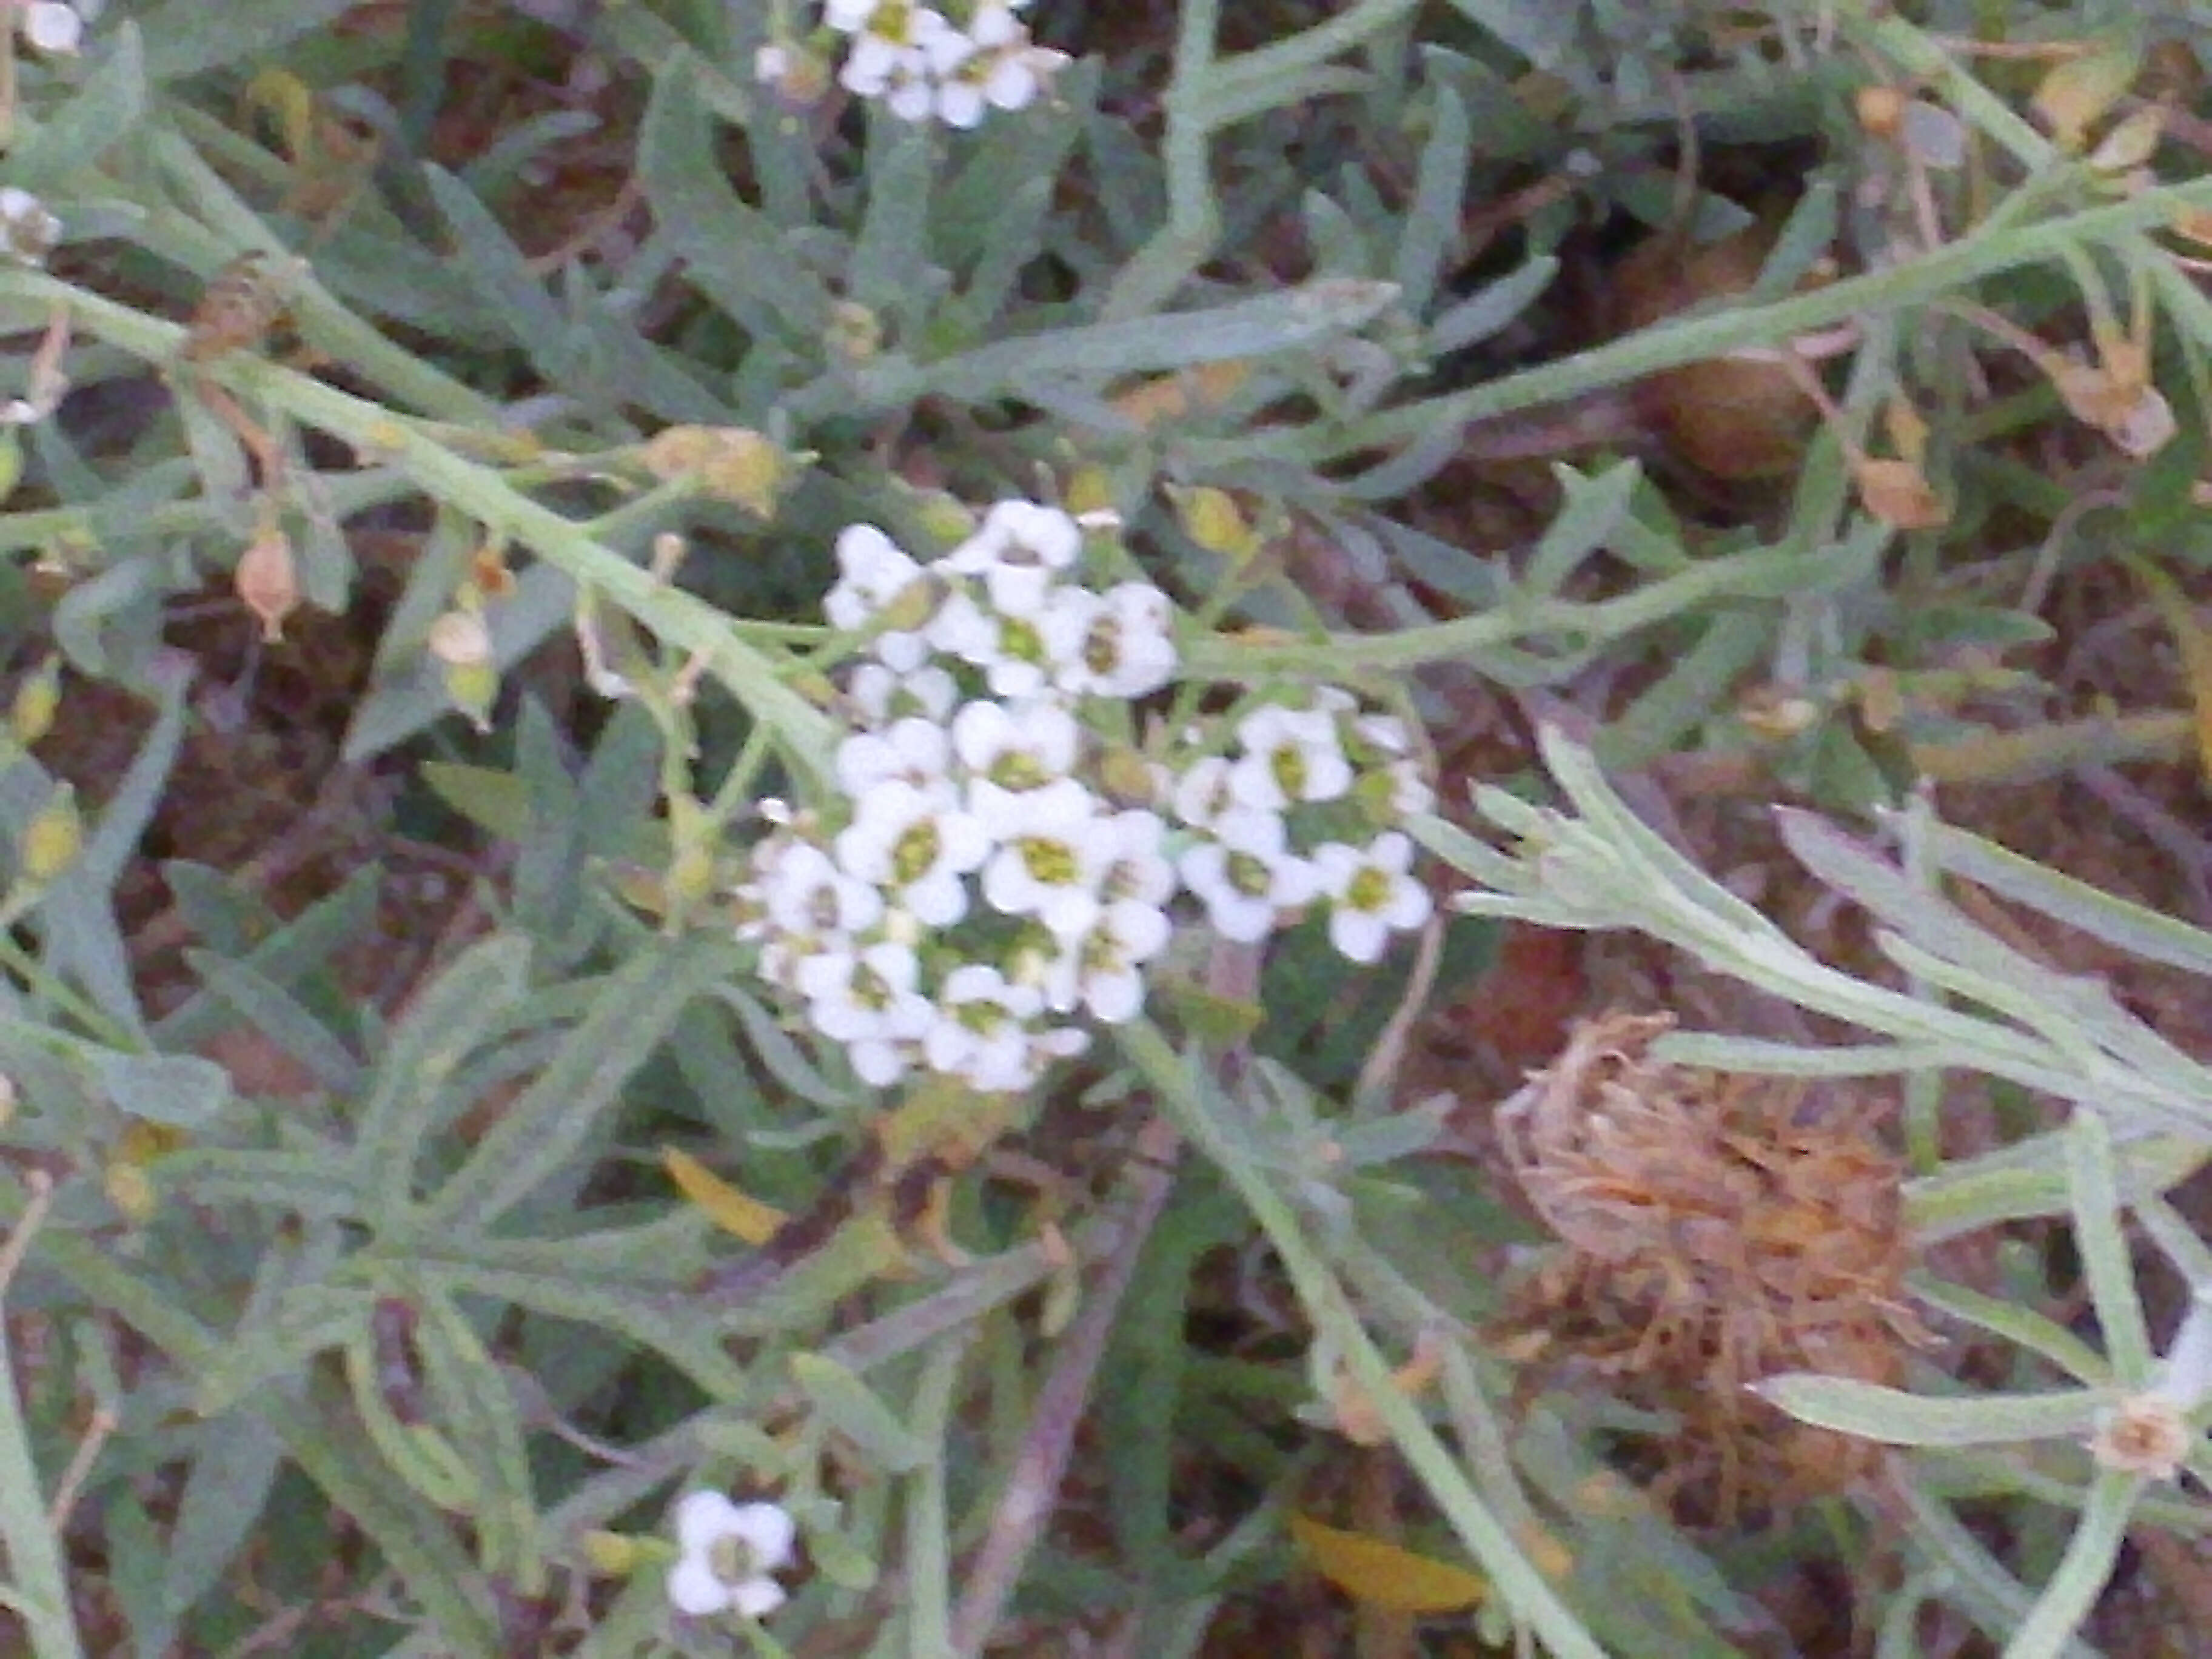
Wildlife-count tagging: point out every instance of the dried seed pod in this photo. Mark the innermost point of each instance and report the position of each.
(1718, 1231)
(237, 308)
(1732, 418)
(266, 580)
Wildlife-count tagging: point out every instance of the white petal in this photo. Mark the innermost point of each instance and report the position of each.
(769, 1532)
(702, 1518)
(694, 1589)
(757, 1598)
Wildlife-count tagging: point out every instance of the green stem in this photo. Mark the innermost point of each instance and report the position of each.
(1336, 1321)
(1941, 271)
(480, 493)
(40, 1590)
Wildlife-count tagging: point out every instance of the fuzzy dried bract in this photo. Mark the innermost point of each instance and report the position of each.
(1719, 1229)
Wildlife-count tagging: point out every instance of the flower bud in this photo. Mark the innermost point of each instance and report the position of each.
(266, 580)
(613, 1554)
(53, 839)
(1211, 518)
(856, 333)
(38, 699)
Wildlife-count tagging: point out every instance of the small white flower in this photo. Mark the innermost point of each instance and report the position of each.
(916, 845)
(806, 896)
(52, 25)
(1050, 858)
(982, 1032)
(882, 695)
(1134, 857)
(1247, 876)
(1017, 745)
(1020, 656)
(872, 571)
(914, 748)
(1371, 894)
(1201, 792)
(1105, 969)
(771, 63)
(730, 1552)
(1291, 755)
(1129, 647)
(868, 1002)
(1020, 550)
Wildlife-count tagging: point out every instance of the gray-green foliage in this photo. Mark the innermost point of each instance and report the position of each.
(378, 1299)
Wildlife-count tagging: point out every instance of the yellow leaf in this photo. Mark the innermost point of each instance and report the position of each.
(2195, 640)
(1384, 1574)
(725, 1206)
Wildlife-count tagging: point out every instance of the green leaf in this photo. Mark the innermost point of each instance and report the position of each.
(234, 1467)
(1895, 1418)
(734, 255)
(280, 1017)
(180, 1089)
(1432, 220)
(106, 109)
(1493, 306)
(852, 1408)
(454, 1014)
(1593, 509)
(185, 36)
(495, 801)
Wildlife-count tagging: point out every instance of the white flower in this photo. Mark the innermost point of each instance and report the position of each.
(52, 25)
(872, 571)
(729, 1552)
(1246, 875)
(913, 749)
(1201, 792)
(1371, 894)
(982, 1032)
(1105, 969)
(1017, 745)
(1020, 550)
(915, 844)
(868, 1002)
(882, 695)
(1020, 656)
(806, 896)
(1134, 859)
(1129, 647)
(1052, 843)
(1291, 755)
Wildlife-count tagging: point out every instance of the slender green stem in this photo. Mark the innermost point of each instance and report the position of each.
(1941, 272)
(1336, 1321)
(41, 1583)
(481, 493)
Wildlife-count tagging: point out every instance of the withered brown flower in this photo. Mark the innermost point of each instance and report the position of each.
(1718, 1229)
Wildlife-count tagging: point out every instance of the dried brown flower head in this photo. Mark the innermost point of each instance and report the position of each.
(1718, 1229)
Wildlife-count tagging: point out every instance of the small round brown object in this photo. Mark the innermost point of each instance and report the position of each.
(1731, 418)
(1880, 109)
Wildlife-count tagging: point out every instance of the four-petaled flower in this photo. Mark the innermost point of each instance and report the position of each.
(730, 1553)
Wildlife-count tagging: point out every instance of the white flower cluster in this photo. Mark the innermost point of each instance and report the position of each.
(924, 63)
(1298, 812)
(981, 886)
